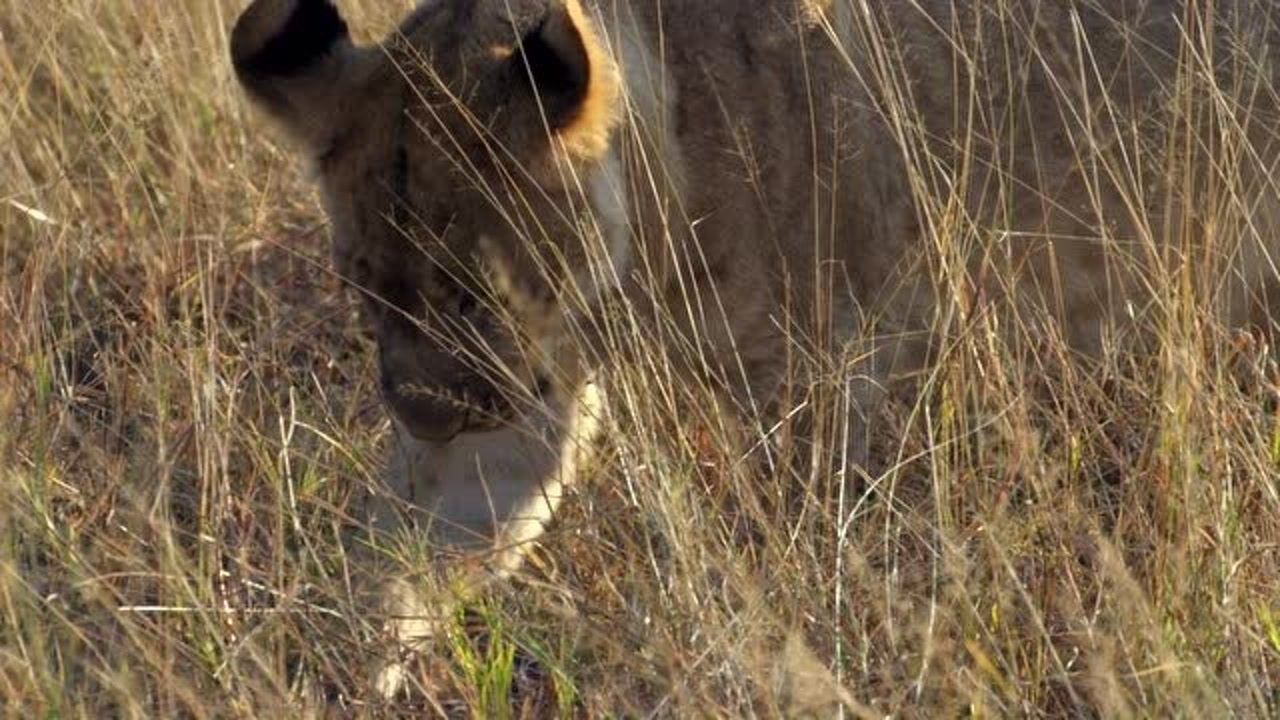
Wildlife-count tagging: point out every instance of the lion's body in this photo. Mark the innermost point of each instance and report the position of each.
(1040, 122)
(764, 181)
(1069, 144)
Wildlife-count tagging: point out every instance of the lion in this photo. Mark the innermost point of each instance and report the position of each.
(750, 184)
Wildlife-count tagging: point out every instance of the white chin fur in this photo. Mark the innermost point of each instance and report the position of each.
(489, 495)
(493, 490)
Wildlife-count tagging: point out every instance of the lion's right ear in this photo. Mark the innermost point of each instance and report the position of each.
(295, 59)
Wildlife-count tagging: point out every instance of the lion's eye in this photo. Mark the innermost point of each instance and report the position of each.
(466, 305)
(361, 272)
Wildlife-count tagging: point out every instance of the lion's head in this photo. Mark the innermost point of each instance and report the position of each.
(466, 167)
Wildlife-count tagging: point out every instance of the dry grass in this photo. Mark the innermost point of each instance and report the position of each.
(187, 412)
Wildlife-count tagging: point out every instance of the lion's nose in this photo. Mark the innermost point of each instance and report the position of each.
(428, 418)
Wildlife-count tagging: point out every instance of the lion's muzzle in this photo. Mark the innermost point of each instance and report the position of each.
(438, 406)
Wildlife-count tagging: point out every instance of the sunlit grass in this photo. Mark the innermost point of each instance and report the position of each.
(189, 418)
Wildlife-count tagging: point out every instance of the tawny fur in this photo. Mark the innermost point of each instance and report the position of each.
(781, 177)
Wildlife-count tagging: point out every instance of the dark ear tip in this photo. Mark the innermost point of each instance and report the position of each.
(554, 57)
(312, 28)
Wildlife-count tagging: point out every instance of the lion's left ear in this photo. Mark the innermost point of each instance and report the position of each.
(569, 71)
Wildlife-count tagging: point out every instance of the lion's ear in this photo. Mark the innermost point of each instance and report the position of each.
(295, 59)
(570, 73)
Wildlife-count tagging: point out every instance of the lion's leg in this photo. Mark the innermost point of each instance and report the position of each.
(481, 500)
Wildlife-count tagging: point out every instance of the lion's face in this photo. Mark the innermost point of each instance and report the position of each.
(465, 205)
(445, 252)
